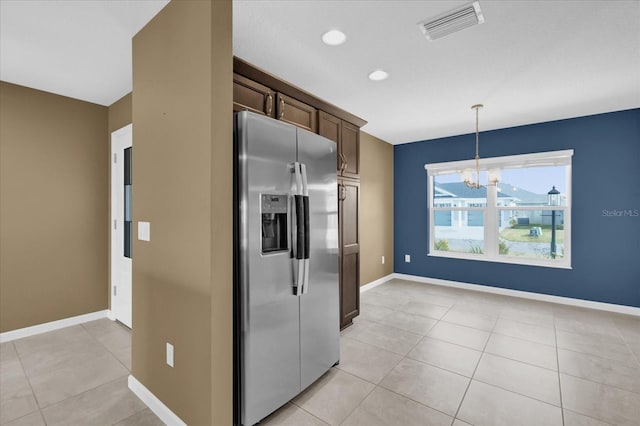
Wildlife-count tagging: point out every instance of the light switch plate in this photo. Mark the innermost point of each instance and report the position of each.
(407, 258)
(144, 231)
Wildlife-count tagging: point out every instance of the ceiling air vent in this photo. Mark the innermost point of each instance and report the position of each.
(452, 21)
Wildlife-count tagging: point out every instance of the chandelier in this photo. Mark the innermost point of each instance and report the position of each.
(467, 177)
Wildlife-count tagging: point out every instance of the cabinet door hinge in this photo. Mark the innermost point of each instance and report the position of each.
(115, 291)
(115, 158)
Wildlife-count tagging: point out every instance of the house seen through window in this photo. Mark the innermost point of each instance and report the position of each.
(523, 218)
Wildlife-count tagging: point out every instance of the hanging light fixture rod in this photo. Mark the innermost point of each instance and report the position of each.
(466, 175)
(477, 108)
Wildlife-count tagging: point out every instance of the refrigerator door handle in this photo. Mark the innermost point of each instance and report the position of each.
(299, 255)
(305, 246)
(307, 229)
(297, 171)
(300, 229)
(303, 172)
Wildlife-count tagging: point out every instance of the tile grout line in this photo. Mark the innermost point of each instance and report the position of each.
(590, 417)
(104, 346)
(430, 328)
(360, 403)
(440, 367)
(39, 410)
(517, 393)
(522, 362)
(403, 330)
(413, 400)
(582, 352)
(633, 354)
(117, 359)
(457, 344)
(381, 348)
(598, 383)
(407, 357)
(402, 359)
(72, 396)
(469, 326)
(464, 395)
(311, 414)
(555, 334)
(24, 371)
(350, 412)
(523, 339)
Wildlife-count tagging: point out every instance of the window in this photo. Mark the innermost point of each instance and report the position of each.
(525, 218)
(128, 230)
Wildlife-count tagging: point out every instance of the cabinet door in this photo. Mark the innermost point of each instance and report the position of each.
(329, 127)
(252, 96)
(297, 113)
(350, 150)
(349, 194)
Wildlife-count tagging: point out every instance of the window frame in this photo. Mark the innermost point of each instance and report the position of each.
(491, 211)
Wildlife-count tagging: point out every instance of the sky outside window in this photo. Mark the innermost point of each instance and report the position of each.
(538, 180)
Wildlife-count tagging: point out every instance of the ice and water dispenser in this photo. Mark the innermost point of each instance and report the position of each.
(274, 223)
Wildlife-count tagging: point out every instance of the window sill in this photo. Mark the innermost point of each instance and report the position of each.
(501, 259)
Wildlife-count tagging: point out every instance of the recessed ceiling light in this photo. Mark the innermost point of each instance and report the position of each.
(334, 37)
(378, 75)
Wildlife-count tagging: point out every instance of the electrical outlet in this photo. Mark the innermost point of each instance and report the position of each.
(169, 354)
(383, 260)
(407, 258)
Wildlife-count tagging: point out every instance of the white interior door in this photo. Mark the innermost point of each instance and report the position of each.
(121, 224)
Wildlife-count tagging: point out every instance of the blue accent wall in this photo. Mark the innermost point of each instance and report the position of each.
(606, 177)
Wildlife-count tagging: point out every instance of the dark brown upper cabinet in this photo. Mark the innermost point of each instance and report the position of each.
(252, 96)
(269, 83)
(350, 150)
(293, 111)
(329, 126)
(347, 136)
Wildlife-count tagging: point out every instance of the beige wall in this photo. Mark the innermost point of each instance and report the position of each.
(120, 113)
(182, 278)
(376, 208)
(53, 208)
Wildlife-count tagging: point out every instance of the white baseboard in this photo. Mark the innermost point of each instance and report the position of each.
(162, 411)
(20, 333)
(376, 283)
(609, 307)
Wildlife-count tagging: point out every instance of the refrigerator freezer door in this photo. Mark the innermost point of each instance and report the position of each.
(269, 317)
(319, 306)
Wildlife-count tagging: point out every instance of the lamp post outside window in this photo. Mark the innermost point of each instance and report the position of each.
(554, 200)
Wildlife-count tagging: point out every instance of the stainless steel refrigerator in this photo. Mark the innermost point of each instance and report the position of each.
(286, 263)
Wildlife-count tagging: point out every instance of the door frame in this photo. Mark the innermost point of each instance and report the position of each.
(120, 140)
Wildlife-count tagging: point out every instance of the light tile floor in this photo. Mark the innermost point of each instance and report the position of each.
(417, 355)
(420, 354)
(73, 376)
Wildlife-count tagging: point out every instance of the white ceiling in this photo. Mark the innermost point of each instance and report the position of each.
(80, 49)
(531, 61)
